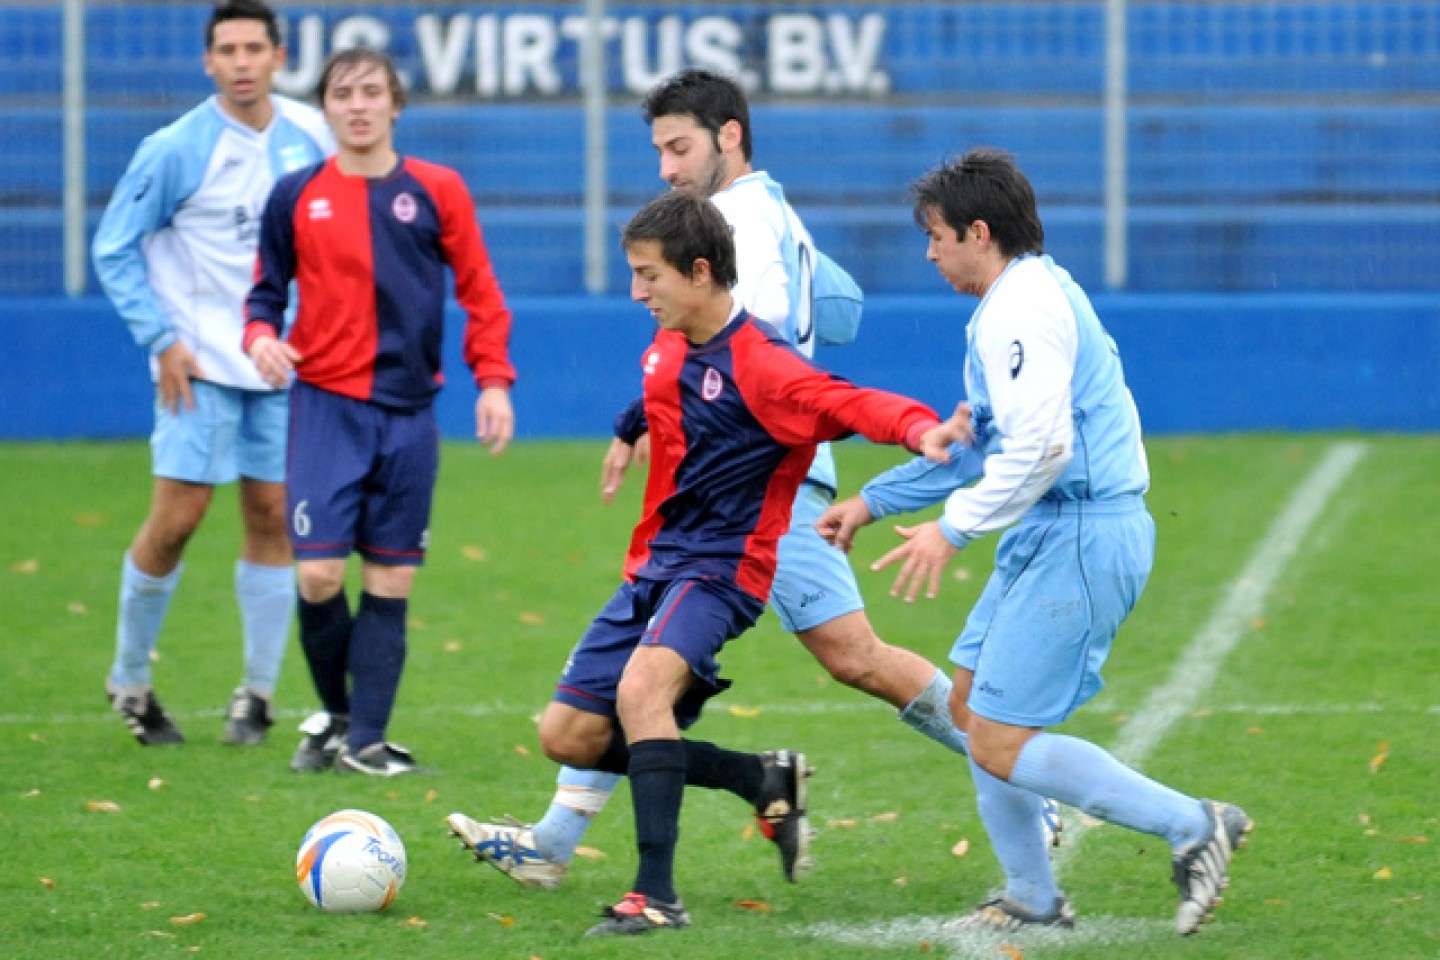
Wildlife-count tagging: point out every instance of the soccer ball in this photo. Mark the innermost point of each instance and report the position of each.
(350, 862)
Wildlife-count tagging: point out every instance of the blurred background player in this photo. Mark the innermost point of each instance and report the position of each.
(1065, 476)
(700, 127)
(367, 237)
(175, 252)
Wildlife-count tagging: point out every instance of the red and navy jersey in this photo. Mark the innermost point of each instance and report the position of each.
(369, 258)
(733, 427)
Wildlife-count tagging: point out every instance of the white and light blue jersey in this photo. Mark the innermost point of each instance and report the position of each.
(175, 250)
(1050, 407)
(775, 263)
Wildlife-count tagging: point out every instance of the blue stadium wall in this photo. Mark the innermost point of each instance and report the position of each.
(1212, 363)
(1284, 186)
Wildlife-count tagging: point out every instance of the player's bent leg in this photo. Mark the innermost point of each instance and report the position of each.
(574, 737)
(849, 650)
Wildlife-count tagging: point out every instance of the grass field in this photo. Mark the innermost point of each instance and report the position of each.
(1311, 696)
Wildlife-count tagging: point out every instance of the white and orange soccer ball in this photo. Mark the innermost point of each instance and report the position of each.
(350, 862)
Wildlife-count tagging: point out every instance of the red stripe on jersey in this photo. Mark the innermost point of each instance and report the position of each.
(333, 248)
(660, 364)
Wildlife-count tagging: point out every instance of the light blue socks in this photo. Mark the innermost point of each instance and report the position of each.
(1012, 820)
(929, 713)
(267, 605)
(1087, 777)
(579, 796)
(144, 601)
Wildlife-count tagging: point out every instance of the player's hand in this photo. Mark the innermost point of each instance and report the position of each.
(274, 359)
(839, 524)
(642, 448)
(612, 468)
(923, 557)
(494, 419)
(178, 367)
(935, 442)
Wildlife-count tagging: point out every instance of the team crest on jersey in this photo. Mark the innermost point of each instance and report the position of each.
(404, 208)
(711, 386)
(320, 209)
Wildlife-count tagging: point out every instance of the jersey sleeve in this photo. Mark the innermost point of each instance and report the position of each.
(150, 190)
(762, 284)
(798, 403)
(921, 483)
(1028, 359)
(274, 262)
(487, 327)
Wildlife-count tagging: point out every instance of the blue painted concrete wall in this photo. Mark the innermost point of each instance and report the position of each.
(1195, 363)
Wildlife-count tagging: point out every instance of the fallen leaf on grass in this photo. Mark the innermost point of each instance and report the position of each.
(431, 796)
(89, 519)
(1381, 752)
(477, 554)
(962, 574)
(162, 934)
(1415, 838)
(886, 817)
(149, 904)
(960, 849)
(189, 919)
(25, 566)
(1255, 731)
(102, 806)
(1013, 953)
(521, 750)
(79, 609)
(31, 793)
(1201, 714)
(589, 853)
(900, 882)
(1364, 818)
(1257, 623)
(417, 922)
(47, 883)
(155, 783)
(759, 906)
(841, 823)
(1384, 873)
(505, 921)
(746, 712)
(415, 623)
(1275, 902)
(37, 738)
(532, 619)
(452, 646)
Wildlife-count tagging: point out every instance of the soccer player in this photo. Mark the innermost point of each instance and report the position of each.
(1064, 475)
(367, 237)
(700, 127)
(734, 413)
(175, 253)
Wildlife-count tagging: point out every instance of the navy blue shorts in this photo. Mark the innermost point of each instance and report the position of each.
(360, 477)
(695, 618)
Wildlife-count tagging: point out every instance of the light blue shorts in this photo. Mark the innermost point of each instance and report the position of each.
(231, 433)
(1065, 579)
(813, 580)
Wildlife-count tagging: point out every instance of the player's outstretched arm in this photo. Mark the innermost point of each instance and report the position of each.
(936, 442)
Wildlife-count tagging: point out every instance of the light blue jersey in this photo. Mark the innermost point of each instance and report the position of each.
(1051, 411)
(175, 250)
(775, 262)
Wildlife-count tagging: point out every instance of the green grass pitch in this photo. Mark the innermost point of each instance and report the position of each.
(1324, 722)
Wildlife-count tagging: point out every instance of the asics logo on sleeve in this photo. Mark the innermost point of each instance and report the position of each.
(1017, 358)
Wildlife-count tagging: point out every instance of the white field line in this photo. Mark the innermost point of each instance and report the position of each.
(1192, 678)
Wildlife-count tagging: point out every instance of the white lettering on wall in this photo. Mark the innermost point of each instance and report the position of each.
(535, 55)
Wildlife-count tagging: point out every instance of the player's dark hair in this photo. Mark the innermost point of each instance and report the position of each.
(344, 61)
(713, 100)
(687, 228)
(985, 184)
(243, 10)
